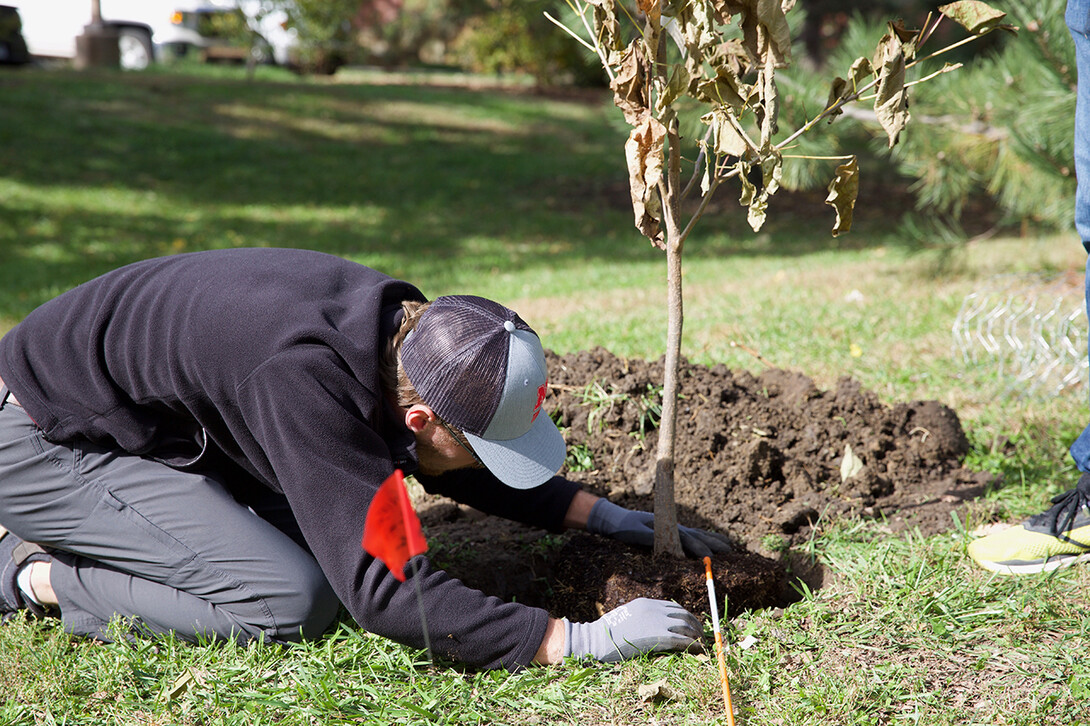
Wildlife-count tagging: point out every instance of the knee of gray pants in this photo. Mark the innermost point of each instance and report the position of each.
(308, 610)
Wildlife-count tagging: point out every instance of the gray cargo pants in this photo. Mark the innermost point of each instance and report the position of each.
(171, 550)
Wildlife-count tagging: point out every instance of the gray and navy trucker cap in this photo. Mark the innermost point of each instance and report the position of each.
(481, 368)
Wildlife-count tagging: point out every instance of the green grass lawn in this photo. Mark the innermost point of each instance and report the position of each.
(522, 198)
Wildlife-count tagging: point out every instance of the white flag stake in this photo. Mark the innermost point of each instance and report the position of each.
(719, 642)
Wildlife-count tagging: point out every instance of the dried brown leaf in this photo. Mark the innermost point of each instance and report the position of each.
(757, 212)
(907, 37)
(652, 10)
(734, 55)
(756, 198)
(975, 16)
(697, 24)
(709, 167)
(725, 137)
(769, 108)
(658, 691)
(891, 100)
(765, 31)
(846, 88)
(607, 27)
(771, 170)
(725, 89)
(676, 86)
(725, 9)
(749, 189)
(644, 154)
(630, 85)
(843, 190)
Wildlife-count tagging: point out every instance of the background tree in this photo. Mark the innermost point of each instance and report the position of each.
(1003, 127)
(514, 35)
(724, 55)
(999, 129)
(325, 31)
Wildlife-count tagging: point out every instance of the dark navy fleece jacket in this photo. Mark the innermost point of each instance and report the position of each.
(270, 357)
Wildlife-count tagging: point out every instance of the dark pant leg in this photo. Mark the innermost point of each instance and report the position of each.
(172, 550)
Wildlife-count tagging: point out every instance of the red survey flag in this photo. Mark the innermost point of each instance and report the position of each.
(392, 530)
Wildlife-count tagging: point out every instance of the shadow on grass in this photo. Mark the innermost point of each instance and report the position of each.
(101, 169)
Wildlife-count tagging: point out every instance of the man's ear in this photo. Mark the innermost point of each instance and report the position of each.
(417, 417)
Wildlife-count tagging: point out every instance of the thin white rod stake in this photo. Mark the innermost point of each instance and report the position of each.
(719, 643)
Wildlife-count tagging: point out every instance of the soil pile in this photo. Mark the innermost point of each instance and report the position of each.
(761, 458)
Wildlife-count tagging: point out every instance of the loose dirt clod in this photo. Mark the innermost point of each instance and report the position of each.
(758, 457)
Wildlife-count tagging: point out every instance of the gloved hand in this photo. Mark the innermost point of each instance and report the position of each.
(641, 626)
(638, 528)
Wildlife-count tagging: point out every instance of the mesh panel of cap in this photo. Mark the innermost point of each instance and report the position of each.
(456, 358)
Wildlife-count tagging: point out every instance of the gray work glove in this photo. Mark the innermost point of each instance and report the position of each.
(641, 626)
(638, 528)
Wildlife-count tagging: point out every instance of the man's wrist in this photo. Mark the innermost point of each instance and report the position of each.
(552, 645)
(579, 510)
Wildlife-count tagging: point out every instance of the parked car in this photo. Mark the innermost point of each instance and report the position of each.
(13, 49)
(239, 32)
(50, 27)
(148, 30)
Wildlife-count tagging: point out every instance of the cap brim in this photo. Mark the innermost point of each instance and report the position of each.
(528, 461)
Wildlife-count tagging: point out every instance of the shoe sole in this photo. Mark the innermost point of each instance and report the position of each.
(1029, 568)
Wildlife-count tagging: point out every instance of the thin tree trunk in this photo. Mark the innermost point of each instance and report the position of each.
(667, 540)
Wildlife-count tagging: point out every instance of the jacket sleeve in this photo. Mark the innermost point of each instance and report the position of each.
(308, 421)
(543, 506)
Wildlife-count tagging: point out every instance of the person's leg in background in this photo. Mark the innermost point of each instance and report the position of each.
(1060, 536)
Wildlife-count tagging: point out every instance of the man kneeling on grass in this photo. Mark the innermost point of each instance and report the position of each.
(192, 443)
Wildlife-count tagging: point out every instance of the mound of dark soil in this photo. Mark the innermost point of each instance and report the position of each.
(760, 458)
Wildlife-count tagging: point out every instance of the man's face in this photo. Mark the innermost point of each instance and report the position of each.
(439, 452)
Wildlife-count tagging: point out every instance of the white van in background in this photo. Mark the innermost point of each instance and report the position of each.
(151, 30)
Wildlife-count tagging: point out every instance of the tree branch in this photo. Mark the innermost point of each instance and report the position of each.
(700, 210)
(843, 101)
(596, 48)
(696, 164)
(950, 121)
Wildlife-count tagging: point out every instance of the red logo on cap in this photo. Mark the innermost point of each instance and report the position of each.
(540, 400)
